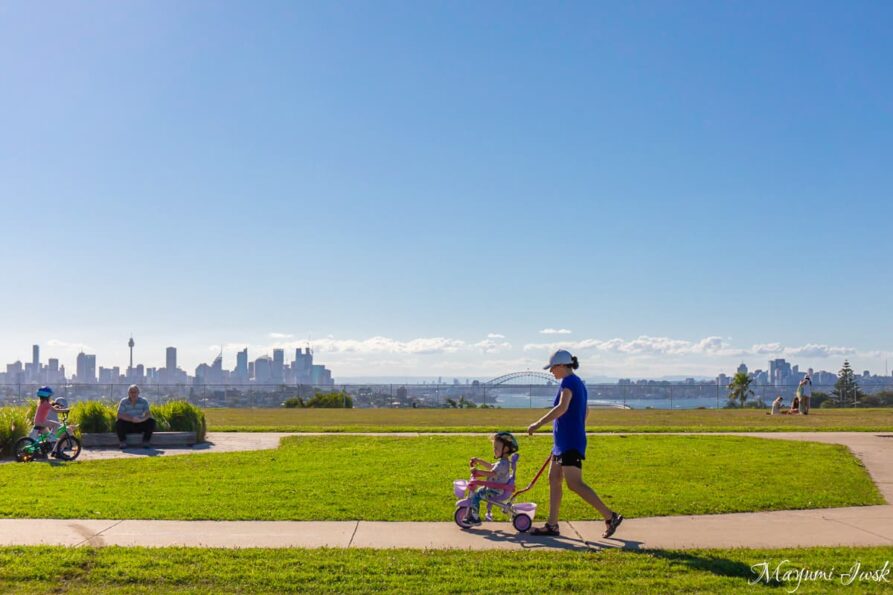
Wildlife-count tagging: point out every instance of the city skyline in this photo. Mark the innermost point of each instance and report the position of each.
(216, 370)
(264, 370)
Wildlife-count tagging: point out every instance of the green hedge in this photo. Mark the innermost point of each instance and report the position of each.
(14, 423)
(180, 416)
(93, 417)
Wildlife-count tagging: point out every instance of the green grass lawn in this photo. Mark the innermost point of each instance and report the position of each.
(178, 570)
(410, 479)
(600, 420)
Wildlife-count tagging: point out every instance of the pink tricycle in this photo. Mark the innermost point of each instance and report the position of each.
(522, 513)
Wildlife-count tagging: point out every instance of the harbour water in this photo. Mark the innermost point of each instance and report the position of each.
(525, 401)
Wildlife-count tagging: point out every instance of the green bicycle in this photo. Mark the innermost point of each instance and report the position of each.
(60, 444)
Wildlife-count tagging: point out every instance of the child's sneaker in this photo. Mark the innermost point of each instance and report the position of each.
(473, 518)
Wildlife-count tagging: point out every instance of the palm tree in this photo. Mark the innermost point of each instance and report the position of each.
(739, 387)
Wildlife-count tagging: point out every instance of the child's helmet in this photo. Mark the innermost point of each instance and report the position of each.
(509, 440)
(44, 392)
(61, 403)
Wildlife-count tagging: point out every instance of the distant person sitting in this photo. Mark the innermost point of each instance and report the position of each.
(134, 417)
(776, 405)
(795, 406)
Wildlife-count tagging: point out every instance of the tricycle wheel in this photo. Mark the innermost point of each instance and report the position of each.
(521, 523)
(460, 515)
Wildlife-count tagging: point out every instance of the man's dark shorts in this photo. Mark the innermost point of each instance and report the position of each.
(569, 458)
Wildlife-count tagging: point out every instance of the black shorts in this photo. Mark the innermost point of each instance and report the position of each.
(569, 458)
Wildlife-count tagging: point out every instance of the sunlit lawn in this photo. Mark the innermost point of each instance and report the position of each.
(178, 570)
(410, 479)
(600, 420)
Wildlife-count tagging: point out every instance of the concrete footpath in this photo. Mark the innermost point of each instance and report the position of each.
(853, 526)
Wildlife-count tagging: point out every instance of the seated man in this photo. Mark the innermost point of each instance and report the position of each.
(134, 417)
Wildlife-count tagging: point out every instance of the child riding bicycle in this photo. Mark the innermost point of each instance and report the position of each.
(46, 418)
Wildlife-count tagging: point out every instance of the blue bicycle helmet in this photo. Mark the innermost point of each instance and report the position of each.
(44, 392)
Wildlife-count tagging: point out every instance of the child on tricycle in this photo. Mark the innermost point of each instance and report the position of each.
(495, 485)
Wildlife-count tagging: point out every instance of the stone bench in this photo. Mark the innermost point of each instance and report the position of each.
(93, 440)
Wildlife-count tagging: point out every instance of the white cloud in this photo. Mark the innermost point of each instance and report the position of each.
(767, 349)
(495, 336)
(555, 331)
(491, 346)
(69, 346)
(811, 350)
(280, 336)
(708, 346)
(381, 345)
(643, 345)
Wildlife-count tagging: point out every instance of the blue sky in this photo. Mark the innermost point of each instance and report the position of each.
(680, 185)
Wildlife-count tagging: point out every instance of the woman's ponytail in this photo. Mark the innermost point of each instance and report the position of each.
(574, 363)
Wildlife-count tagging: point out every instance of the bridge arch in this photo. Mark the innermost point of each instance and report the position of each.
(532, 376)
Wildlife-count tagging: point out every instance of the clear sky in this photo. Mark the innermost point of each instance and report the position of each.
(422, 188)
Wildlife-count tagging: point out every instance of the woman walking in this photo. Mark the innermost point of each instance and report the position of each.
(568, 415)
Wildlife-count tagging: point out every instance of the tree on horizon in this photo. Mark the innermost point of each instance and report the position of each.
(739, 387)
(846, 389)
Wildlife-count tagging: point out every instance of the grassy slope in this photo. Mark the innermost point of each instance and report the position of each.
(169, 570)
(388, 478)
(600, 420)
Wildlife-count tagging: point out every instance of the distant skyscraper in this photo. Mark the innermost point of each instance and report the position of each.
(131, 344)
(15, 372)
(171, 358)
(35, 358)
(263, 370)
(303, 366)
(86, 368)
(742, 369)
(241, 372)
(278, 365)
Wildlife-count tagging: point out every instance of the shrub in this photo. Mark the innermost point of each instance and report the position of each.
(93, 417)
(293, 403)
(818, 398)
(335, 400)
(14, 423)
(180, 416)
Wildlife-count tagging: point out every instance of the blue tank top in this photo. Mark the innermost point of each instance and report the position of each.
(569, 430)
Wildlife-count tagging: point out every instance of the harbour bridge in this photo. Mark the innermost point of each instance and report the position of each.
(537, 383)
(526, 377)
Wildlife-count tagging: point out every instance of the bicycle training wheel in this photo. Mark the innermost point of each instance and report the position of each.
(68, 448)
(25, 449)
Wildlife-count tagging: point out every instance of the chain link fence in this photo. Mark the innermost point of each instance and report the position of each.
(633, 396)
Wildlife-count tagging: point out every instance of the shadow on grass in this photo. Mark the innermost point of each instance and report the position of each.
(146, 451)
(715, 565)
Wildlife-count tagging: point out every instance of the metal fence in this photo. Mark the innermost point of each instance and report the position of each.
(634, 396)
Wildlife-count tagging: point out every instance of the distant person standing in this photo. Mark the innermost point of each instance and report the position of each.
(804, 391)
(134, 417)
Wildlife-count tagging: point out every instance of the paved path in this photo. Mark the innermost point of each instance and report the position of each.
(216, 442)
(854, 526)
